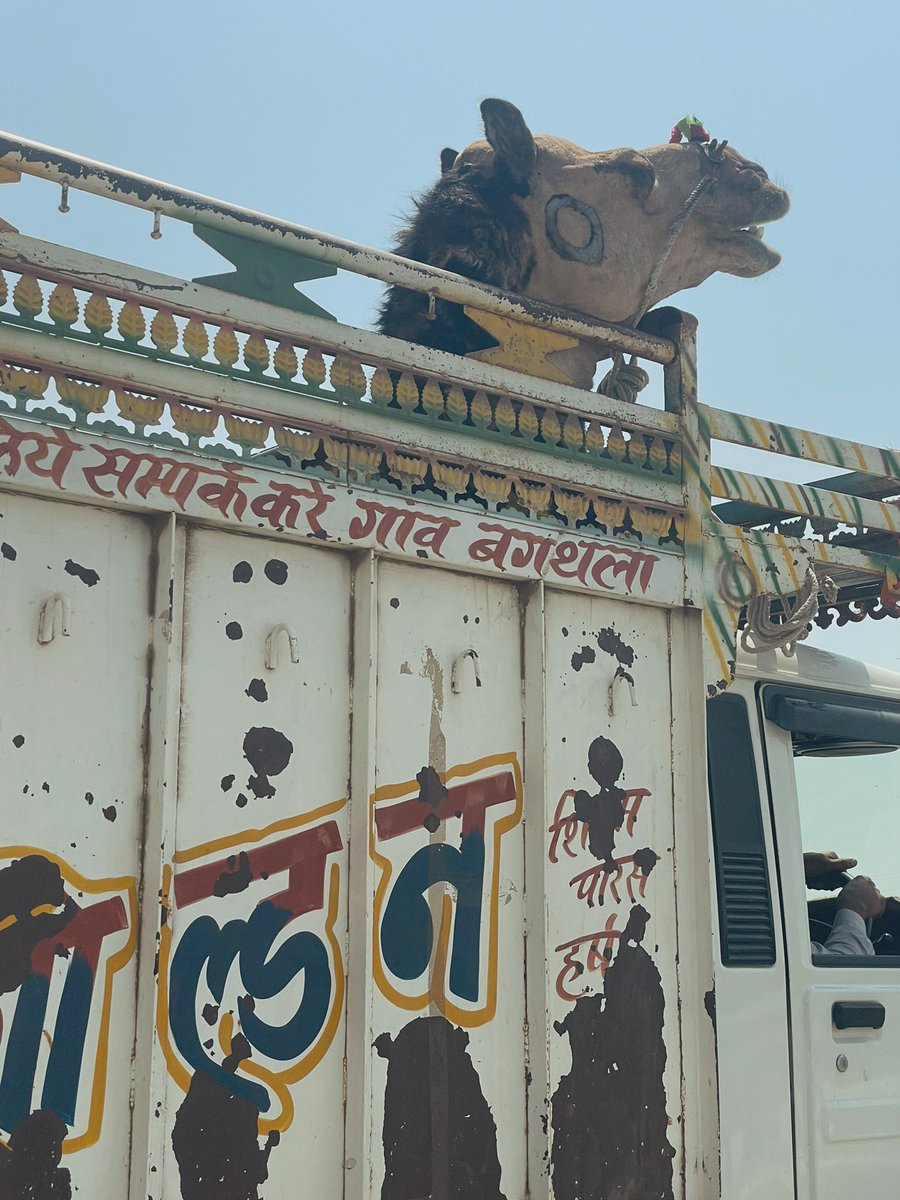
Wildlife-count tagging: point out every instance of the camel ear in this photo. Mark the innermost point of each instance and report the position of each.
(448, 158)
(510, 137)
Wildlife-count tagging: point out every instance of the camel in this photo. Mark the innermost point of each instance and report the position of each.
(606, 233)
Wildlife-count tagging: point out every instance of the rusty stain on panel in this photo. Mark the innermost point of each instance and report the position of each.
(215, 1138)
(437, 743)
(609, 1113)
(439, 1134)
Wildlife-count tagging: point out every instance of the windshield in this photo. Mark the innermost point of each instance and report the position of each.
(851, 804)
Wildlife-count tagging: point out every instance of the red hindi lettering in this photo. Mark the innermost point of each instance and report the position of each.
(283, 507)
(225, 492)
(58, 446)
(523, 548)
(565, 828)
(124, 475)
(173, 478)
(432, 532)
(621, 561)
(381, 519)
(302, 855)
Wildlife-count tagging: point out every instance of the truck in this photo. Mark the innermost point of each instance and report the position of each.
(359, 835)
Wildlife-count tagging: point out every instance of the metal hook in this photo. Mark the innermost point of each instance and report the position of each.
(431, 314)
(455, 681)
(47, 625)
(64, 197)
(272, 646)
(156, 232)
(621, 674)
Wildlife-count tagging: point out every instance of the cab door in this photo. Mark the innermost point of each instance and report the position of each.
(833, 769)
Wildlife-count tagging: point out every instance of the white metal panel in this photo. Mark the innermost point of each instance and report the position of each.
(611, 1061)
(74, 635)
(447, 1006)
(252, 972)
(753, 1040)
(845, 1112)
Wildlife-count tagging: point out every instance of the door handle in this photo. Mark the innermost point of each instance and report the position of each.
(857, 1014)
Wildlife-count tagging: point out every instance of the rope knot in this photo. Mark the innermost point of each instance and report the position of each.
(763, 632)
(624, 381)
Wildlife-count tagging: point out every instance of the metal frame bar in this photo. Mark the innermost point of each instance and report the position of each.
(84, 174)
(743, 430)
(126, 282)
(240, 396)
(802, 500)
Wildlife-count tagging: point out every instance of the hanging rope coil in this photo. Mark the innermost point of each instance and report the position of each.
(763, 632)
(624, 381)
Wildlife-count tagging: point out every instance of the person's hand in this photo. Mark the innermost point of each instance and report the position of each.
(824, 862)
(863, 897)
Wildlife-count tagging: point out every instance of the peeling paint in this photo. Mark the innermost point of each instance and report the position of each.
(215, 1138)
(268, 752)
(257, 690)
(85, 574)
(585, 655)
(709, 1003)
(276, 571)
(18, 741)
(602, 812)
(8, 552)
(609, 1112)
(439, 1134)
(233, 631)
(26, 885)
(29, 1164)
(611, 643)
(237, 876)
(431, 793)
(242, 572)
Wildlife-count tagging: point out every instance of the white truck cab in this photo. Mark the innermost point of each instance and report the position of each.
(802, 756)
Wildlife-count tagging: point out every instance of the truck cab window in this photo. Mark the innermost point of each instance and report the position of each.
(848, 798)
(848, 786)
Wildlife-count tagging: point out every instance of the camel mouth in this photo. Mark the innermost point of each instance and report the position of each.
(754, 255)
(745, 241)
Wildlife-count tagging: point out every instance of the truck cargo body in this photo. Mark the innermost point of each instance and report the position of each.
(355, 831)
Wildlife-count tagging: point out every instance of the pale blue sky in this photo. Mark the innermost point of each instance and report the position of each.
(333, 115)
